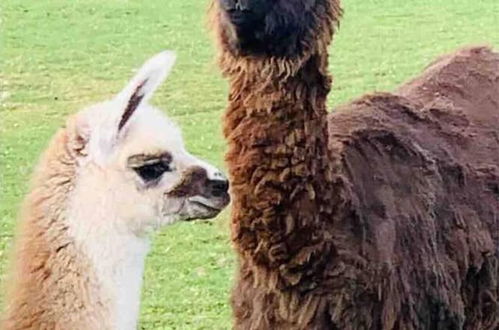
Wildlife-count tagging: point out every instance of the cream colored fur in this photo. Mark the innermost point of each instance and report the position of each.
(83, 234)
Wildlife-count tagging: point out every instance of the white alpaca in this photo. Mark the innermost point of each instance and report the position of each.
(115, 172)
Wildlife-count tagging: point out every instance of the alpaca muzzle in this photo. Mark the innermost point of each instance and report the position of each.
(207, 195)
(245, 14)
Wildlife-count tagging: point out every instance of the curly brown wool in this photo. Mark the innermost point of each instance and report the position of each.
(382, 215)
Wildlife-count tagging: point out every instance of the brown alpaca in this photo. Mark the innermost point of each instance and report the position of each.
(383, 215)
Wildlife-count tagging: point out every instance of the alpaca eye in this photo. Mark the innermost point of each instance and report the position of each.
(153, 171)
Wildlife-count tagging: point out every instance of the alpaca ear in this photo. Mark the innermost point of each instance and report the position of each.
(143, 85)
(96, 131)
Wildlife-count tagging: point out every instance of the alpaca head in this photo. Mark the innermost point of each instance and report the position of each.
(132, 166)
(278, 28)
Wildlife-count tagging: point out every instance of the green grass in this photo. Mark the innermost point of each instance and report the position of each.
(57, 56)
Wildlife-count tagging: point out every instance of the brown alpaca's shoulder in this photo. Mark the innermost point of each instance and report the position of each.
(450, 111)
(419, 171)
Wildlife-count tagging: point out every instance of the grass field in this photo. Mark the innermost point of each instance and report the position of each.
(57, 56)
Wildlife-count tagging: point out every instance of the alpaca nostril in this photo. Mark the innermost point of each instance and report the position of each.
(218, 188)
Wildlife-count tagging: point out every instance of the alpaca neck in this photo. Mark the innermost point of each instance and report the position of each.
(118, 262)
(73, 269)
(116, 254)
(280, 167)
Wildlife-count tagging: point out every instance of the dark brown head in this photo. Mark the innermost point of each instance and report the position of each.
(277, 28)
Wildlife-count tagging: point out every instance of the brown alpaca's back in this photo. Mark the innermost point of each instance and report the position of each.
(418, 173)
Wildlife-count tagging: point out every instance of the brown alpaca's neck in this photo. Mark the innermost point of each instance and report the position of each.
(280, 169)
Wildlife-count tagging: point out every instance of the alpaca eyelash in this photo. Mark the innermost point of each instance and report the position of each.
(140, 160)
(150, 168)
(153, 171)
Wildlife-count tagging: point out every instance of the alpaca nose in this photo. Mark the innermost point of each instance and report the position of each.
(231, 5)
(218, 187)
(242, 5)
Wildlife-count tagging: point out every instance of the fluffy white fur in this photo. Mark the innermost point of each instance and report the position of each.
(105, 210)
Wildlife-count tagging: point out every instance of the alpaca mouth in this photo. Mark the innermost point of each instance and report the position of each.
(239, 17)
(242, 18)
(208, 208)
